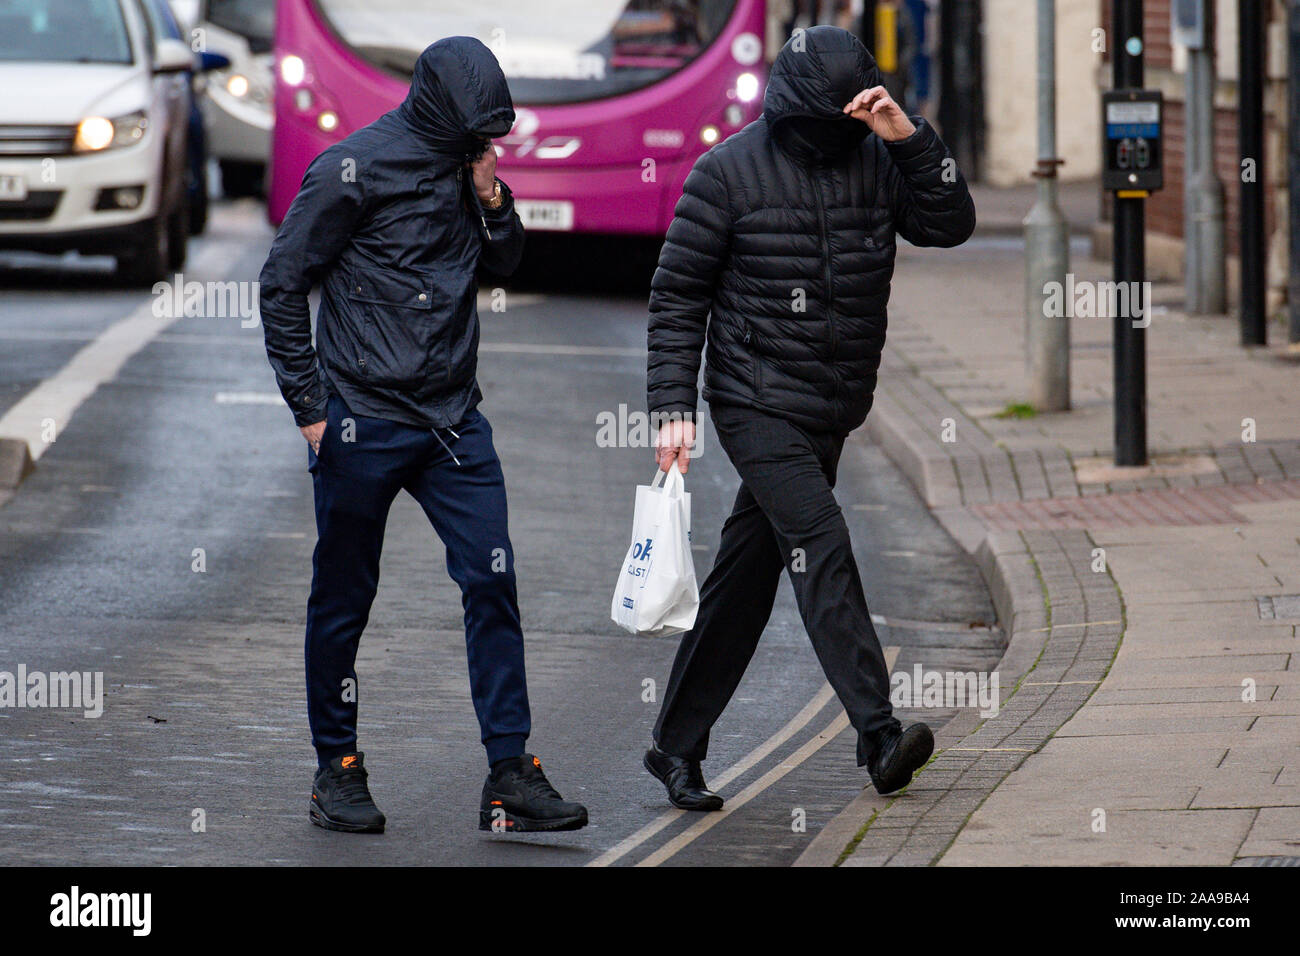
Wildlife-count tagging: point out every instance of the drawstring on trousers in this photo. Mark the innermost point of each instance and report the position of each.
(445, 445)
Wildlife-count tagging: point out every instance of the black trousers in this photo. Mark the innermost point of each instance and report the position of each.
(785, 517)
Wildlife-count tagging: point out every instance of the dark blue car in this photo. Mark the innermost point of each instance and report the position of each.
(164, 24)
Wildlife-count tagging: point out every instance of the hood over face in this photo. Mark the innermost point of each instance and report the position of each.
(815, 75)
(458, 95)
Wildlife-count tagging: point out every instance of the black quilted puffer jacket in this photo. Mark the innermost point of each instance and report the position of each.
(783, 245)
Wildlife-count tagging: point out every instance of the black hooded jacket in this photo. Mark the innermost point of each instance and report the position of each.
(388, 224)
(783, 243)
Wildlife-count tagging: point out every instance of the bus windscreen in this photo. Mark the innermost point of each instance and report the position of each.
(254, 20)
(557, 51)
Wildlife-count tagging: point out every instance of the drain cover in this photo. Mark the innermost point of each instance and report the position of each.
(1280, 607)
(1267, 861)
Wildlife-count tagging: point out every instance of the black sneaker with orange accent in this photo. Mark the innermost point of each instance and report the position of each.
(517, 798)
(340, 797)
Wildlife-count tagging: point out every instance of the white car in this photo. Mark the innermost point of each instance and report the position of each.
(93, 133)
(238, 100)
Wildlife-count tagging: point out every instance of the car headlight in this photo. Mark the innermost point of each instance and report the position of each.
(95, 133)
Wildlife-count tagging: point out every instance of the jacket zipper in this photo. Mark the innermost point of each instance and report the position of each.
(830, 294)
(756, 380)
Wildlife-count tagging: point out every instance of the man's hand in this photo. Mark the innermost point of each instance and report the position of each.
(674, 443)
(313, 434)
(485, 174)
(877, 109)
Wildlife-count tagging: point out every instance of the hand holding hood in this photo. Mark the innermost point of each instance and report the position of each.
(816, 73)
(458, 95)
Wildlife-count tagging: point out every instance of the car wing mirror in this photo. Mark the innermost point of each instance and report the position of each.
(172, 56)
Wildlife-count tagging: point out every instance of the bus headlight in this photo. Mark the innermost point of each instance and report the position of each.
(328, 121)
(95, 133)
(746, 87)
(733, 114)
(709, 135)
(293, 70)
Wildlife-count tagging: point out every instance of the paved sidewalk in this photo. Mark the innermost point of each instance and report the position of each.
(1151, 684)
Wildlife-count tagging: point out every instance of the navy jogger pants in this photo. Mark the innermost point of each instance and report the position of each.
(456, 477)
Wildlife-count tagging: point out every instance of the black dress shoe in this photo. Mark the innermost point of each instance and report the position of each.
(683, 779)
(898, 755)
(340, 797)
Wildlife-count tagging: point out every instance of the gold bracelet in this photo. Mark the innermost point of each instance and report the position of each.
(497, 199)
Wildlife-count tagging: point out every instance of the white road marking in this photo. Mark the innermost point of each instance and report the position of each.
(513, 300)
(44, 335)
(797, 723)
(533, 348)
(58, 397)
(248, 398)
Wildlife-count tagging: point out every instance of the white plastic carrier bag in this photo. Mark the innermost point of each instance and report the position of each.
(656, 592)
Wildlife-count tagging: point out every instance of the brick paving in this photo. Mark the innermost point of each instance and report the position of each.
(1181, 507)
(1135, 656)
(916, 828)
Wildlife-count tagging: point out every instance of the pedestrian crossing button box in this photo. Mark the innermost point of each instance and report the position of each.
(1132, 141)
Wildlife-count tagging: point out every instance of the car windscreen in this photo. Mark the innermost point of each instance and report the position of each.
(552, 51)
(63, 31)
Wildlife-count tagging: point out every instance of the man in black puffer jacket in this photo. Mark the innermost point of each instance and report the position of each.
(392, 223)
(782, 246)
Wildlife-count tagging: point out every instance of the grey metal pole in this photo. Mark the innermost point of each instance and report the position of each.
(1293, 168)
(1205, 281)
(1047, 244)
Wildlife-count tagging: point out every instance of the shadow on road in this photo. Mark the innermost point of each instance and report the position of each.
(34, 272)
(609, 265)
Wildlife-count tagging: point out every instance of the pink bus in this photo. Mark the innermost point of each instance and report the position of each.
(615, 99)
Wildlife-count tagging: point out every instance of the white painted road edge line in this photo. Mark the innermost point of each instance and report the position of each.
(58, 397)
(797, 723)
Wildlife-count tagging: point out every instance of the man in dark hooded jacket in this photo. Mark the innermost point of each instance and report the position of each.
(392, 223)
(782, 245)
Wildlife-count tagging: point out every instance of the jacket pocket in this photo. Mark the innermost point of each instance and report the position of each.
(400, 326)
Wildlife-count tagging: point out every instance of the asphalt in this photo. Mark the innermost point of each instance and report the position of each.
(204, 699)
